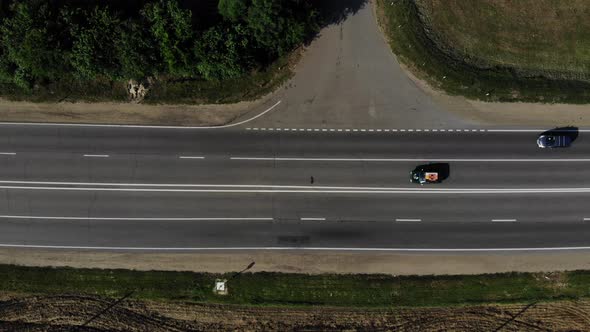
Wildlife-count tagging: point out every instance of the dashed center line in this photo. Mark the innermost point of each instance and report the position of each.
(373, 130)
(412, 130)
(406, 219)
(503, 220)
(313, 219)
(8, 153)
(191, 157)
(96, 155)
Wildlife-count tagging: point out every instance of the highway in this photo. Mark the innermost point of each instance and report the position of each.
(179, 189)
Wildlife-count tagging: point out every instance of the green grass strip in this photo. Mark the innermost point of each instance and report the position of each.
(300, 289)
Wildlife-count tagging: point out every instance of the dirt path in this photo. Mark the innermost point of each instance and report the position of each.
(62, 312)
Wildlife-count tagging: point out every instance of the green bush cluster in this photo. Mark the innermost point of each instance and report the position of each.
(44, 42)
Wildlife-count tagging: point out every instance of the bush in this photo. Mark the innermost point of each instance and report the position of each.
(222, 52)
(94, 46)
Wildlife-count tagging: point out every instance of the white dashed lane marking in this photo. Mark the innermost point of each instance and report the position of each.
(503, 220)
(96, 155)
(191, 157)
(411, 130)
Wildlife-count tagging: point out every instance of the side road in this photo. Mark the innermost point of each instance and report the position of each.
(306, 262)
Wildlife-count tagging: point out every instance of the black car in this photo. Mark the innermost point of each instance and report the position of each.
(554, 141)
(430, 173)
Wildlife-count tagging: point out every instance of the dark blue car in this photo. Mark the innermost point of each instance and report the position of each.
(554, 141)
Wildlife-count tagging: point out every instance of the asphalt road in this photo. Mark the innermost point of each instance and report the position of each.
(164, 188)
(101, 187)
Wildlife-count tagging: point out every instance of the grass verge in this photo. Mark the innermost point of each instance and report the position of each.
(163, 91)
(299, 289)
(404, 28)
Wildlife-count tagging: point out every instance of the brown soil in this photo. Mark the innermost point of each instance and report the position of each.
(69, 312)
(312, 262)
(126, 113)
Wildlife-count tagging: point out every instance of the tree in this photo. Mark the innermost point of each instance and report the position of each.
(30, 43)
(278, 25)
(94, 45)
(7, 68)
(135, 51)
(170, 27)
(233, 10)
(222, 52)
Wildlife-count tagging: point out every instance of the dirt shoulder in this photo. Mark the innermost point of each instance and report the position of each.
(127, 113)
(507, 114)
(61, 312)
(311, 262)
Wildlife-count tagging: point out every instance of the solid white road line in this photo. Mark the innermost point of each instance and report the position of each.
(48, 185)
(307, 191)
(403, 219)
(503, 220)
(315, 191)
(536, 160)
(191, 157)
(135, 219)
(350, 249)
(96, 155)
(137, 126)
(312, 219)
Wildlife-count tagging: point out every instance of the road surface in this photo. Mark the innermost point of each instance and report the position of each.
(166, 189)
(348, 77)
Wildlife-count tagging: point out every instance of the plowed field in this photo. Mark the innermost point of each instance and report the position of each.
(70, 312)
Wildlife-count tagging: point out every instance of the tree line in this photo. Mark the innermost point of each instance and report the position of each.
(43, 41)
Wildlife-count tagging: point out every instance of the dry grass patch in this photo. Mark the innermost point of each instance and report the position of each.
(544, 36)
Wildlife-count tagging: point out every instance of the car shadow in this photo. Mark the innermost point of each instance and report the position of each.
(443, 170)
(569, 131)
